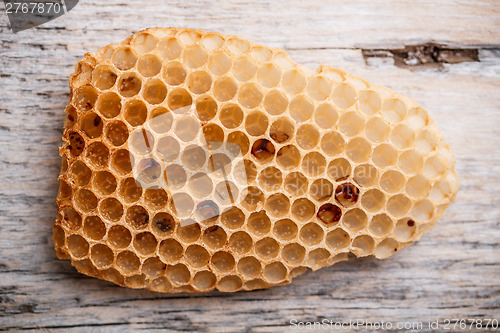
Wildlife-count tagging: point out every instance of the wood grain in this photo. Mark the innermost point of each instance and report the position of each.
(453, 272)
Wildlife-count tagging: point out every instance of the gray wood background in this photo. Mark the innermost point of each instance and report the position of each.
(452, 273)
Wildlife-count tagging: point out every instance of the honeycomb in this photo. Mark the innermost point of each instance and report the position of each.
(194, 161)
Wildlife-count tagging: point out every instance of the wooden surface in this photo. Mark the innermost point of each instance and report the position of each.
(452, 273)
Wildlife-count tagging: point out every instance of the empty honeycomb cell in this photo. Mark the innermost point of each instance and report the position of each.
(188, 233)
(101, 256)
(116, 132)
(229, 283)
(212, 41)
(269, 75)
(103, 77)
(434, 167)
(227, 192)
(392, 181)
(393, 110)
(384, 155)
(200, 185)
(326, 116)
(76, 144)
(224, 89)
(318, 257)
(321, 189)
(169, 48)
(398, 205)
(161, 284)
(129, 85)
(355, 219)
(314, 164)
(86, 266)
(267, 249)
(153, 268)
(256, 123)
(249, 267)
(204, 280)
(351, 123)
(282, 130)
(288, 157)
(250, 95)
(260, 53)
(263, 151)
(64, 191)
(186, 128)
(154, 91)
(214, 237)
(363, 245)
(439, 191)
(232, 218)
(418, 187)
(162, 120)
(163, 224)
(129, 191)
(377, 130)
(319, 88)
(79, 173)
(219, 63)
(111, 209)
(417, 118)
(70, 219)
(358, 150)
(77, 245)
(135, 112)
(339, 169)
(119, 237)
(373, 200)
(402, 136)
(149, 65)
(199, 82)
(277, 205)
(178, 274)
(195, 56)
(168, 148)
(296, 183)
(366, 175)
(231, 115)
(307, 136)
(411, 161)
(422, 210)
(386, 247)
(174, 73)
(109, 104)
(293, 253)
(405, 229)
(145, 243)
(124, 58)
(144, 42)
(240, 242)
(98, 154)
(222, 262)
(381, 225)
(270, 179)
(275, 102)
(301, 108)
(286, 229)
(182, 204)
(275, 272)
(71, 117)
(311, 234)
(148, 171)
(329, 214)
(246, 171)
(347, 194)
(170, 251)
(196, 256)
(193, 157)
(237, 46)
(206, 108)
(244, 69)
(141, 141)
(303, 209)
(94, 228)
(259, 223)
(369, 102)
(85, 200)
(136, 281)
(189, 37)
(332, 143)
(214, 136)
(84, 98)
(179, 98)
(337, 239)
(344, 95)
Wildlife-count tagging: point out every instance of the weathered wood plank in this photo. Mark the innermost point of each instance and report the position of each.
(453, 272)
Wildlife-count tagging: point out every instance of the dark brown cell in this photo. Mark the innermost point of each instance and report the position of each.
(347, 194)
(164, 222)
(76, 143)
(329, 213)
(263, 150)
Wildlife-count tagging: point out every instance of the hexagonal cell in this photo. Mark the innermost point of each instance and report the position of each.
(103, 77)
(76, 144)
(161, 284)
(405, 229)
(337, 239)
(440, 191)
(294, 81)
(64, 191)
(319, 88)
(293, 253)
(101, 256)
(169, 48)
(418, 186)
(270, 179)
(214, 237)
(402, 136)
(422, 211)
(256, 123)
(70, 118)
(231, 115)
(199, 82)
(240, 242)
(84, 98)
(141, 141)
(219, 63)
(249, 267)
(259, 223)
(314, 164)
(263, 151)
(170, 251)
(124, 58)
(326, 116)
(229, 283)
(282, 130)
(237, 46)
(303, 209)
(311, 234)
(392, 181)
(178, 274)
(394, 110)
(377, 130)
(77, 245)
(347, 194)
(214, 136)
(206, 108)
(116, 132)
(233, 218)
(384, 155)
(111, 209)
(411, 161)
(147, 172)
(386, 248)
(365, 175)
(120, 161)
(168, 148)
(321, 189)
(275, 272)
(145, 243)
(182, 204)
(344, 95)
(355, 219)
(222, 261)
(144, 42)
(369, 102)
(373, 200)
(188, 233)
(195, 56)
(204, 280)
(79, 173)
(285, 229)
(109, 104)
(137, 217)
(332, 143)
(269, 75)
(104, 182)
(267, 249)
(154, 91)
(119, 237)
(84, 200)
(296, 183)
(277, 204)
(174, 73)
(245, 171)
(153, 268)
(70, 219)
(363, 245)
(275, 102)
(98, 154)
(225, 88)
(260, 53)
(358, 150)
(417, 118)
(244, 69)
(351, 123)
(339, 169)
(193, 157)
(196, 256)
(178, 99)
(149, 65)
(301, 108)
(329, 214)
(307, 136)
(288, 157)
(129, 191)
(227, 192)
(381, 225)
(135, 112)
(250, 95)
(163, 223)
(129, 85)
(434, 167)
